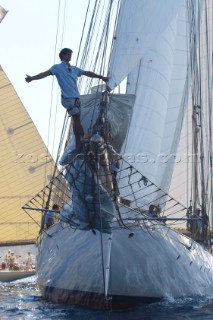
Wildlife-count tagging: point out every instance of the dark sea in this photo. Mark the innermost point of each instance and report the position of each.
(21, 300)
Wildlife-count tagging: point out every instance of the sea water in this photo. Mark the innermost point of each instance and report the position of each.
(21, 300)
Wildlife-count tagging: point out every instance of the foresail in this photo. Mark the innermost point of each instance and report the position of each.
(26, 167)
(92, 189)
(180, 82)
(140, 23)
(159, 81)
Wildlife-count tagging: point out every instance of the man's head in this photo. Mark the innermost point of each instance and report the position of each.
(197, 211)
(151, 207)
(55, 207)
(65, 51)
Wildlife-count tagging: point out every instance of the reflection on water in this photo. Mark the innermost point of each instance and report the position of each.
(21, 300)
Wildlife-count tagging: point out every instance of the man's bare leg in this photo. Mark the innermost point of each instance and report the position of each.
(78, 129)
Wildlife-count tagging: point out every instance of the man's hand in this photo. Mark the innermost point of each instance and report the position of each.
(28, 78)
(105, 79)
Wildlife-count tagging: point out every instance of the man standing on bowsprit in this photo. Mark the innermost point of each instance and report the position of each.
(67, 79)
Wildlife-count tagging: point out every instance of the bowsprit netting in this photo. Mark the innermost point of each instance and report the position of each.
(99, 190)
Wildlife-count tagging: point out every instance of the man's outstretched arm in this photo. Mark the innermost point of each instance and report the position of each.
(38, 76)
(95, 75)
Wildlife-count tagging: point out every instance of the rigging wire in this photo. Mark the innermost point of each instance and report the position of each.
(201, 97)
(208, 37)
(50, 114)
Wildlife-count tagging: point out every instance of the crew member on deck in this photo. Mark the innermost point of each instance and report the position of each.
(29, 262)
(205, 225)
(7, 257)
(51, 217)
(152, 212)
(12, 261)
(67, 76)
(196, 225)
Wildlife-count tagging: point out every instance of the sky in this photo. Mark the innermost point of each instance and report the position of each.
(30, 42)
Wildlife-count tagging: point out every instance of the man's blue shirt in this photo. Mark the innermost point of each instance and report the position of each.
(67, 79)
(48, 215)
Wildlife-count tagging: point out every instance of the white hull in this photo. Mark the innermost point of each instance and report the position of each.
(7, 276)
(152, 264)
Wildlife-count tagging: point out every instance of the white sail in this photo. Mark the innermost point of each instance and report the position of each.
(136, 28)
(160, 84)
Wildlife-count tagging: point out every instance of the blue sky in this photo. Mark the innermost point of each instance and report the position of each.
(30, 44)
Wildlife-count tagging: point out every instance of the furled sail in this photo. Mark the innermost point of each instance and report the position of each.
(26, 167)
(119, 114)
(90, 198)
